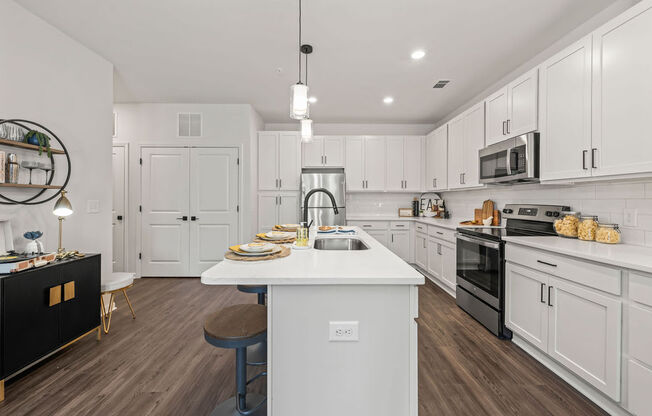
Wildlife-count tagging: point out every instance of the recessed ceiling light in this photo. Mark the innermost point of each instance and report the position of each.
(388, 100)
(418, 54)
(312, 100)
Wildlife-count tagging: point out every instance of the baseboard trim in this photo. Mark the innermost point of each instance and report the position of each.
(578, 384)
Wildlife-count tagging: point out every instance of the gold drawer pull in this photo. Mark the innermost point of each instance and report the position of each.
(69, 291)
(55, 295)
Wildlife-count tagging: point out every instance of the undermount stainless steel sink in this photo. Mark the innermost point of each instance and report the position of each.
(340, 244)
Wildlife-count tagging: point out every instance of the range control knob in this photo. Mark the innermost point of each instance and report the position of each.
(555, 214)
(549, 214)
(508, 211)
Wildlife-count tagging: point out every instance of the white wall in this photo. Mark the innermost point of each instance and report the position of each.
(47, 77)
(228, 125)
(354, 129)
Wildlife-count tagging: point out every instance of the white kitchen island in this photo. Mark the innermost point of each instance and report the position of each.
(308, 291)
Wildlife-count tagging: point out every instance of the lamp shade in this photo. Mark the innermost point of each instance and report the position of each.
(306, 130)
(299, 101)
(63, 207)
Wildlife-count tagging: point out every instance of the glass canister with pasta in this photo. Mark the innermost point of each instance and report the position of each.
(587, 227)
(608, 234)
(568, 224)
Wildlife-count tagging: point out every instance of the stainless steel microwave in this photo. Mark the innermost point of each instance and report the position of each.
(510, 161)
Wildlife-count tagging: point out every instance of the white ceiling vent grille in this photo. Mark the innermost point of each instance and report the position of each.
(189, 124)
(441, 83)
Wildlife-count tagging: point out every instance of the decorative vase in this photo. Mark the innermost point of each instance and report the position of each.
(32, 140)
(34, 247)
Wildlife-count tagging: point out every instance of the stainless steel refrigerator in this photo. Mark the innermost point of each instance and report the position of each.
(320, 208)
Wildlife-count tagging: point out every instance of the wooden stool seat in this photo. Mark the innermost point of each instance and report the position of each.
(237, 326)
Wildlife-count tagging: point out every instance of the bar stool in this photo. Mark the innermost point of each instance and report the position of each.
(256, 354)
(239, 327)
(116, 282)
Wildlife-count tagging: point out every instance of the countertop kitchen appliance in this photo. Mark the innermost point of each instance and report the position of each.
(320, 207)
(511, 161)
(481, 261)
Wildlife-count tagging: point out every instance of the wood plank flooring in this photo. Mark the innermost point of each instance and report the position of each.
(159, 364)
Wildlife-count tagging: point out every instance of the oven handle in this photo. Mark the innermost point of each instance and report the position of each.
(479, 242)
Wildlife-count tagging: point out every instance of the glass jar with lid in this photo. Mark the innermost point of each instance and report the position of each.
(587, 227)
(608, 234)
(567, 225)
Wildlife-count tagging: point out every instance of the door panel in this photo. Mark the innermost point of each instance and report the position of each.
(354, 163)
(566, 113)
(622, 93)
(289, 168)
(394, 170)
(437, 162)
(267, 212)
(585, 334)
(334, 151)
(75, 319)
(496, 117)
(421, 251)
(119, 208)
(399, 242)
(412, 150)
(213, 202)
(165, 195)
(523, 100)
(268, 161)
(288, 209)
(473, 142)
(313, 153)
(526, 308)
(380, 235)
(374, 163)
(449, 264)
(455, 153)
(434, 259)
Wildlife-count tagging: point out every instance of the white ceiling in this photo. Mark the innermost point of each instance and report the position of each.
(228, 51)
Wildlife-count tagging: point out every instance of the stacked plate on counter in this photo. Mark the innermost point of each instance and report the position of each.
(277, 236)
(255, 249)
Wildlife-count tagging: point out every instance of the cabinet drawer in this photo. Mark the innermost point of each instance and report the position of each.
(422, 228)
(639, 380)
(442, 233)
(399, 225)
(640, 288)
(590, 274)
(370, 225)
(640, 334)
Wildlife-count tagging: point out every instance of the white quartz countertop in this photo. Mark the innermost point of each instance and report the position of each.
(449, 223)
(375, 266)
(622, 255)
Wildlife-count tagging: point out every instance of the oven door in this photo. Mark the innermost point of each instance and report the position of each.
(480, 268)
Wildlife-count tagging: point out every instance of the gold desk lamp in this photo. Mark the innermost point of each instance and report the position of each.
(62, 208)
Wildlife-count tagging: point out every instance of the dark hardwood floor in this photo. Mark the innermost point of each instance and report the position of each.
(159, 364)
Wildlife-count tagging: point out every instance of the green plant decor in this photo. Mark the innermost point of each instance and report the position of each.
(43, 141)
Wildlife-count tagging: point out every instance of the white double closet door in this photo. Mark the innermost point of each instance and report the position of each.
(189, 208)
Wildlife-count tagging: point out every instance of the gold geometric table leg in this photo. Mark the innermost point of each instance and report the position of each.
(2, 390)
(107, 325)
(133, 314)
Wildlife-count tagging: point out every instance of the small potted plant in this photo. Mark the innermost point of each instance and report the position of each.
(39, 139)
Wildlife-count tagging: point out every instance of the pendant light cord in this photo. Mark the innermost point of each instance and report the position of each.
(300, 42)
(306, 69)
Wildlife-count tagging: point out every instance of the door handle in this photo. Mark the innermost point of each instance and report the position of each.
(392, 237)
(276, 183)
(461, 179)
(322, 159)
(68, 291)
(55, 295)
(504, 133)
(546, 263)
(593, 152)
(508, 123)
(424, 243)
(584, 152)
(325, 160)
(549, 304)
(193, 218)
(280, 183)
(119, 217)
(435, 183)
(184, 218)
(543, 285)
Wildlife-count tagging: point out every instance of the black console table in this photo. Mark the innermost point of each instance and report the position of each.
(45, 309)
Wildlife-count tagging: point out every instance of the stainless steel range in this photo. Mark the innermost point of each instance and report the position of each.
(481, 261)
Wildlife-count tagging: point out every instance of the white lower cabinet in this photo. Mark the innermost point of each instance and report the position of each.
(380, 235)
(449, 264)
(399, 243)
(578, 326)
(434, 258)
(275, 208)
(639, 381)
(421, 250)
(441, 261)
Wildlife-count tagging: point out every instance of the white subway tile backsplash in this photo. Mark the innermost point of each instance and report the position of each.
(620, 191)
(633, 236)
(645, 222)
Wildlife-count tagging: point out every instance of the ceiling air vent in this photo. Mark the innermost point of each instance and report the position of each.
(441, 83)
(189, 124)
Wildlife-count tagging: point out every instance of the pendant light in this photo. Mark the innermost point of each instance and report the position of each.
(299, 92)
(306, 123)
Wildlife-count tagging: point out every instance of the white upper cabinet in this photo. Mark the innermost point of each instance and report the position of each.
(455, 152)
(565, 122)
(324, 151)
(465, 139)
(437, 159)
(279, 161)
(513, 110)
(622, 93)
(365, 163)
(403, 163)
(497, 115)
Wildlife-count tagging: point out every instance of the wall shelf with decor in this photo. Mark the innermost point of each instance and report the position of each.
(15, 133)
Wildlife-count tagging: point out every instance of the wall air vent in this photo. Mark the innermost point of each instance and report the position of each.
(441, 83)
(189, 124)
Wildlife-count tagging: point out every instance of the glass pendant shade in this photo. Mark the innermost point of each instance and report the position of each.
(306, 130)
(299, 102)
(63, 207)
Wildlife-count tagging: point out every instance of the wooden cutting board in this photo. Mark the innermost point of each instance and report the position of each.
(487, 209)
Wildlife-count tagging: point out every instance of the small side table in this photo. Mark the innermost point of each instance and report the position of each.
(117, 282)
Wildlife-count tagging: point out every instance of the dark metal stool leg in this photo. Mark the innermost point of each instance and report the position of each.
(261, 298)
(241, 377)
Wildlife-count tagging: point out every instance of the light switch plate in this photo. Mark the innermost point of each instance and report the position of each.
(92, 206)
(343, 331)
(629, 217)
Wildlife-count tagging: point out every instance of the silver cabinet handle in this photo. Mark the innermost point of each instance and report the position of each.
(406, 184)
(508, 125)
(276, 183)
(392, 237)
(543, 285)
(584, 152)
(435, 183)
(280, 183)
(549, 288)
(280, 200)
(325, 159)
(593, 152)
(504, 132)
(366, 226)
(461, 179)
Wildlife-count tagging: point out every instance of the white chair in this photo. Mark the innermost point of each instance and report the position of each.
(116, 282)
